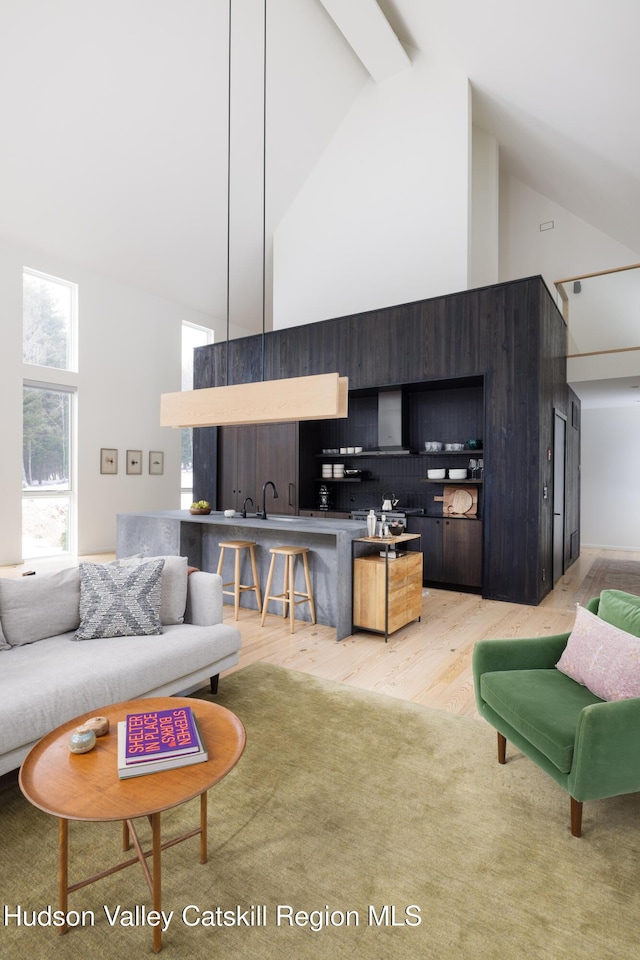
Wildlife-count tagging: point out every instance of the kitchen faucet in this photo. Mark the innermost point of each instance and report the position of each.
(244, 507)
(269, 483)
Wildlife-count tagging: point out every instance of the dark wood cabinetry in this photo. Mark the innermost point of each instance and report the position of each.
(506, 343)
(277, 460)
(250, 455)
(452, 549)
(236, 467)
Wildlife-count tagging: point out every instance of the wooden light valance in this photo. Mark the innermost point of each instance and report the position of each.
(320, 397)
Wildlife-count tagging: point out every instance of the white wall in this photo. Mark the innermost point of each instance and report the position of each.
(610, 456)
(610, 470)
(572, 247)
(485, 206)
(129, 353)
(383, 218)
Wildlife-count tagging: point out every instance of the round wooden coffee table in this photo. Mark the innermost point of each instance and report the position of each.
(87, 787)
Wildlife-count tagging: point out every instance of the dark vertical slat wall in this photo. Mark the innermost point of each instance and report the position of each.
(511, 335)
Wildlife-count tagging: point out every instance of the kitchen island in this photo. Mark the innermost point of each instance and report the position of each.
(179, 533)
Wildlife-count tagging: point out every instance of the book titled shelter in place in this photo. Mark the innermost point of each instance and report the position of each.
(156, 740)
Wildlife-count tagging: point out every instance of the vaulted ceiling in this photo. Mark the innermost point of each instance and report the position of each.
(114, 117)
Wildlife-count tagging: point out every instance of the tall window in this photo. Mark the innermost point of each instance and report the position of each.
(48, 415)
(47, 519)
(192, 336)
(48, 328)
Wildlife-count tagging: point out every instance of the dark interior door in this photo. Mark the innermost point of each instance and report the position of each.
(559, 493)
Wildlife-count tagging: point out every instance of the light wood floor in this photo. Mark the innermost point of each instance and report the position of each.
(428, 662)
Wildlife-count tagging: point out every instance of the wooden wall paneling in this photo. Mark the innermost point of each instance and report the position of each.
(506, 333)
(549, 402)
(509, 324)
(553, 396)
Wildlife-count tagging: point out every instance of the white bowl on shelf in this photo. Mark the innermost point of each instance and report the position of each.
(432, 446)
(454, 446)
(438, 474)
(458, 474)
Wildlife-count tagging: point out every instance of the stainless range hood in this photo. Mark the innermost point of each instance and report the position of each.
(390, 423)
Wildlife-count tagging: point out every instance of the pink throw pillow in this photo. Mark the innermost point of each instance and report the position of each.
(602, 658)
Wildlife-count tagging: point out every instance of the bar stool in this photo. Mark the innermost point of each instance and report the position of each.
(238, 546)
(289, 592)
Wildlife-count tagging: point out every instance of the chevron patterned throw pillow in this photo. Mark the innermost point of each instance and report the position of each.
(120, 601)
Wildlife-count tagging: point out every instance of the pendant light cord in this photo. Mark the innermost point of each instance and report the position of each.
(264, 186)
(228, 197)
(264, 194)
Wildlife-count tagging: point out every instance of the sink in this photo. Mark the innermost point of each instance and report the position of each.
(274, 516)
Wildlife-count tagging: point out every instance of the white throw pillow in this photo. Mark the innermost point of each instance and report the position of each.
(3, 642)
(33, 608)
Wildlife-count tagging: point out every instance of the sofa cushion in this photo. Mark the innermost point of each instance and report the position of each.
(120, 601)
(602, 657)
(174, 585)
(3, 641)
(32, 608)
(542, 705)
(620, 609)
(53, 681)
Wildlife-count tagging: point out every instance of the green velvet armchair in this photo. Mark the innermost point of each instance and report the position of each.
(591, 747)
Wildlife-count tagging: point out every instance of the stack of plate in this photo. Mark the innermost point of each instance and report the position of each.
(338, 470)
(327, 470)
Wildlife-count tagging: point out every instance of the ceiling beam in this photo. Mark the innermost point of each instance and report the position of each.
(367, 30)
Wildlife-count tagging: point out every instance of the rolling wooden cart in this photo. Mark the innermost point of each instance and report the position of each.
(387, 589)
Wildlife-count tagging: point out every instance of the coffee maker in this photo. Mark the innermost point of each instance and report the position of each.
(324, 497)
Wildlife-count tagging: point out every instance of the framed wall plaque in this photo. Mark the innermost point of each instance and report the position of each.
(108, 460)
(134, 461)
(156, 462)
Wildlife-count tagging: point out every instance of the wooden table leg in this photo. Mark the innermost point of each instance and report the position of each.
(157, 877)
(292, 592)
(63, 868)
(203, 827)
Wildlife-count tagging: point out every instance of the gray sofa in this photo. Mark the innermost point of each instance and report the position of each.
(52, 668)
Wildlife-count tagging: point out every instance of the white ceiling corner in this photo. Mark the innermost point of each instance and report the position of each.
(367, 30)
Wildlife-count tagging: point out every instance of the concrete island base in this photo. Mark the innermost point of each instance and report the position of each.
(179, 533)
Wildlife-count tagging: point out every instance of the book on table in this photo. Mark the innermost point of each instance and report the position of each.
(155, 740)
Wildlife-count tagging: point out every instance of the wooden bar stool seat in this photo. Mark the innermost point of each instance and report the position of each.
(289, 593)
(238, 546)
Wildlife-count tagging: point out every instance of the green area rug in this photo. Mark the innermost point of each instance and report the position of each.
(350, 817)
